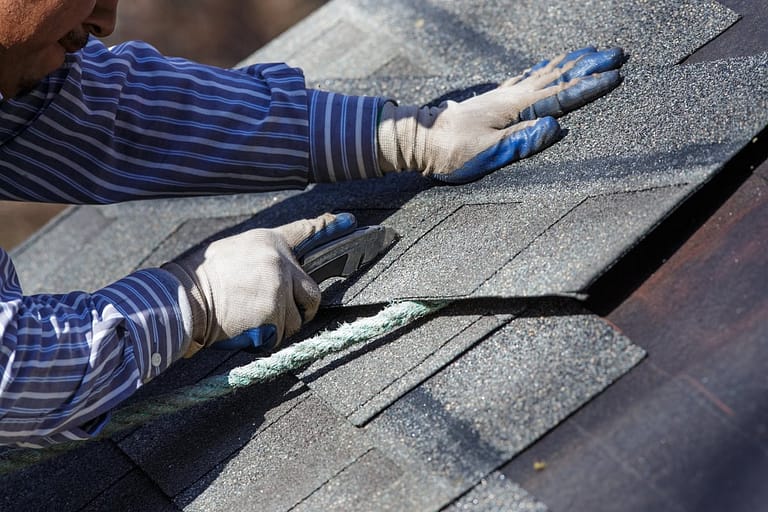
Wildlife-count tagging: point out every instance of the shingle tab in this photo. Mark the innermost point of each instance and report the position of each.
(134, 492)
(364, 381)
(583, 244)
(73, 229)
(65, 483)
(502, 395)
(455, 258)
(282, 465)
(466, 38)
(351, 488)
(169, 450)
(496, 493)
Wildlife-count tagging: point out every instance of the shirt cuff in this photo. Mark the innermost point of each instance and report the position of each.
(155, 309)
(342, 136)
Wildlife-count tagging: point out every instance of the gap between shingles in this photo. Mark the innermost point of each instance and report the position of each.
(426, 358)
(333, 476)
(421, 237)
(578, 294)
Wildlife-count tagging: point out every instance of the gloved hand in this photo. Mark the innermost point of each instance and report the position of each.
(253, 279)
(461, 142)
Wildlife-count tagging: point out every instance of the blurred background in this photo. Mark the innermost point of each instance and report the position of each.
(217, 32)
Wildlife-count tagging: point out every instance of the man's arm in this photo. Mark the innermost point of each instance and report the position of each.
(129, 123)
(66, 360)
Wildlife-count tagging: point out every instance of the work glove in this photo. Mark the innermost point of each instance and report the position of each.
(461, 142)
(253, 279)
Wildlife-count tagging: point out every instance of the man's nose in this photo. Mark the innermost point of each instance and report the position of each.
(101, 21)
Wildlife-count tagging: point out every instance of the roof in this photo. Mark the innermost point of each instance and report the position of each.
(453, 412)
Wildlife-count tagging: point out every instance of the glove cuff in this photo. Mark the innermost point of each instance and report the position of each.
(402, 138)
(196, 303)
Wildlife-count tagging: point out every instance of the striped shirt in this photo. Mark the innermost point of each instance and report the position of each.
(127, 123)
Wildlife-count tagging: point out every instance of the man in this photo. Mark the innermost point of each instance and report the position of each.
(83, 124)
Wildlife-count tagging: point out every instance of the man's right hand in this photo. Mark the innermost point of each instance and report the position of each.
(249, 280)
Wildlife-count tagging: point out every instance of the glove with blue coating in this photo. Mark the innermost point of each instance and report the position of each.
(461, 142)
(254, 280)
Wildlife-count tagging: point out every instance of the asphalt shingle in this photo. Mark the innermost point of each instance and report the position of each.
(352, 487)
(281, 465)
(365, 381)
(74, 229)
(464, 38)
(168, 450)
(498, 397)
(65, 483)
(424, 419)
(496, 493)
(132, 493)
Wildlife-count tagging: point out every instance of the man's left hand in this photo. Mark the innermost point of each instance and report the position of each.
(461, 142)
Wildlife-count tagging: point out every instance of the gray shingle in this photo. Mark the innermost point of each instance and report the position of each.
(352, 488)
(169, 450)
(580, 247)
(188, 234)
(465, 38)
(134, 492)
(282, 465)
(456, 257)
(111, 254)
(655, 33)
(364, 381)
(496, 493)
(45, 255)
(500, 396)
(65, 483)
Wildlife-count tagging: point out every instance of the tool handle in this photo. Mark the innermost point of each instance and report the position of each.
(253, 340)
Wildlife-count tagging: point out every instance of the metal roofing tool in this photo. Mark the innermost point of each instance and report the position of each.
(346, 255)
(339, 251)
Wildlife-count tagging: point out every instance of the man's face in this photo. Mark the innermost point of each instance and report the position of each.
(36, 34)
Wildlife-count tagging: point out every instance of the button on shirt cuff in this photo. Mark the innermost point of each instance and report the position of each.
(155, 309)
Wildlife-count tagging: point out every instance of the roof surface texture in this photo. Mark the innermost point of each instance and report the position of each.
(434, 416)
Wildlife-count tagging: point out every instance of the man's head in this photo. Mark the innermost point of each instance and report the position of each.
(36, 34)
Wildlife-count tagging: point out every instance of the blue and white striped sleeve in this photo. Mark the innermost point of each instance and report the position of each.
(343, 136)
(128, 123)
(67, 360)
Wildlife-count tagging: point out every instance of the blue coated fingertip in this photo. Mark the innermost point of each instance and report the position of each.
(575, 96)
(540, 64)
(343, 224)
(520, 144)
(598, 62)
(588, 89)
(535, 67)
(576, 54)
(549, 106)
